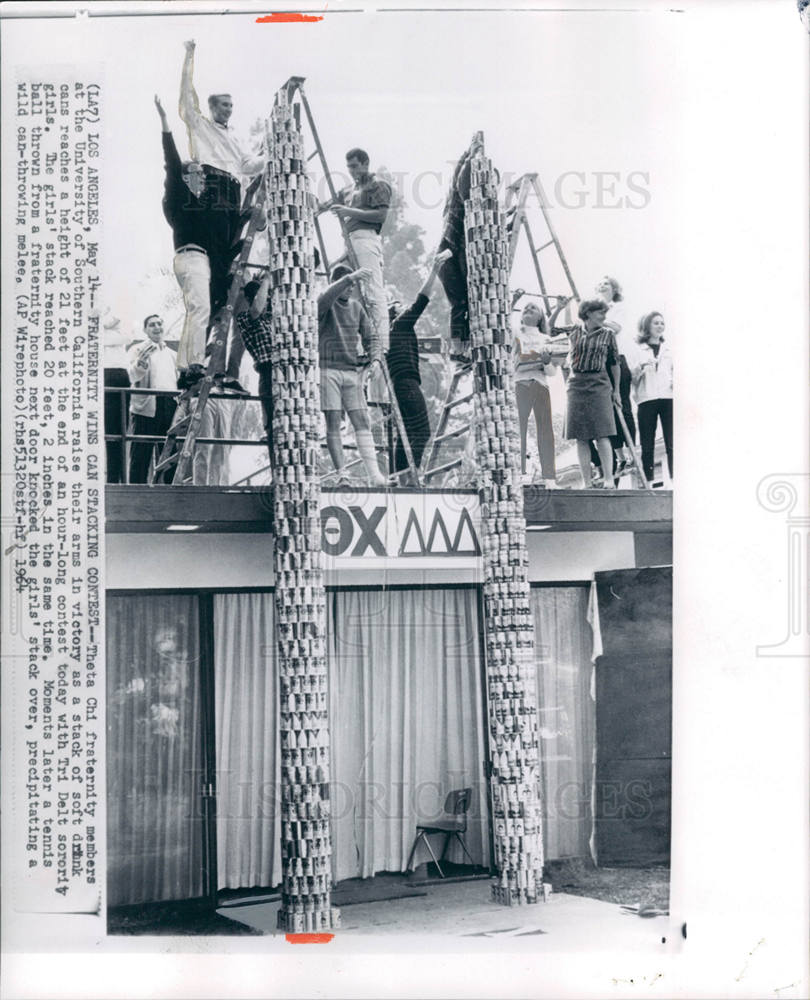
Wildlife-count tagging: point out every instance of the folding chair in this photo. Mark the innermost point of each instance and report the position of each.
(452, 824)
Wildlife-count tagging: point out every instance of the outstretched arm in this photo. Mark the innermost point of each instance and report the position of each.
(189, 103)
(438, 260)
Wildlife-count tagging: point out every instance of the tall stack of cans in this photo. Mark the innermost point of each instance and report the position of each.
(513, 733)
(306, 901)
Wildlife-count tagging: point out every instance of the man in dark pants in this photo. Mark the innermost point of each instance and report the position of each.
(254, 322)
(227, 168)
(453, 272)
(403, 367)
(151, 366)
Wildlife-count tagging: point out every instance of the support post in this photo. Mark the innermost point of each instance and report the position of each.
(511, 685)
(306, 900)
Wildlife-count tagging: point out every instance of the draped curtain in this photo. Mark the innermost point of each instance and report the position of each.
(406, 720)
(154, 776)
(563, 644)
(247, 741)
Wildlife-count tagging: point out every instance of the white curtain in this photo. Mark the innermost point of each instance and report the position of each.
(407, 723)
(247, 741)
(563, 646)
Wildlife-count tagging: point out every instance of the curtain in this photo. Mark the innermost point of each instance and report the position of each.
(406, 722)
(247, 741)
(563, 645)
(154, 776)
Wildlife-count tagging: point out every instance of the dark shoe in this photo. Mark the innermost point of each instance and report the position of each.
(231, 384)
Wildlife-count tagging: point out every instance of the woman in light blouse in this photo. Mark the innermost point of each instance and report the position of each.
(652, 384)
(533, 362)
(594, 364)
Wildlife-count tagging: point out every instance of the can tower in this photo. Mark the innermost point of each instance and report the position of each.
(511, 692)
(306, 901)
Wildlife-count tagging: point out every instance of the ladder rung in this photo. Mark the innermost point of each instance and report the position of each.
(168, 462)
(459, 401)
(180, 426)
(312, 155)
(451, 434)
(543, 247)
(441, 468)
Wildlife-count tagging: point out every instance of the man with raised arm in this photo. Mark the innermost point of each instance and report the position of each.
(341, 319)
(225, 164)
(193, 229)
(403, 367)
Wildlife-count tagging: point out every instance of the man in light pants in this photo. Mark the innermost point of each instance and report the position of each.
(363, 207)
(341, 320)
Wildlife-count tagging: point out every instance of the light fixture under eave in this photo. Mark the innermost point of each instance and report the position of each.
(183, 527)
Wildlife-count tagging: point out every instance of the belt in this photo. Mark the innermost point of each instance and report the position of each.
(191, 248)
(208, 169)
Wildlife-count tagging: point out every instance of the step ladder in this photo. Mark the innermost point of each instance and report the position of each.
(456, 396)
(181, 439)
(517, 196)
(389, 411)
(517, 220)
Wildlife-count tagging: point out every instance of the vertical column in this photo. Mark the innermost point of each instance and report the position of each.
(509, 631)
(300, 598)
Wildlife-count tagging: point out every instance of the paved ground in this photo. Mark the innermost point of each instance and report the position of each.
(464, 910)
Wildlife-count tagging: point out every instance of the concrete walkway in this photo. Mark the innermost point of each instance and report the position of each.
(464, 910)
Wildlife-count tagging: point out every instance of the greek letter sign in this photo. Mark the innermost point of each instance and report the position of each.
(402, 526)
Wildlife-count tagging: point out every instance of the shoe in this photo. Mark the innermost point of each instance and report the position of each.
(231, 384)
(550, 484)
(187, 377)
(377, 479)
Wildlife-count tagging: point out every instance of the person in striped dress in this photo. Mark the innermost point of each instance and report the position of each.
(594, 364)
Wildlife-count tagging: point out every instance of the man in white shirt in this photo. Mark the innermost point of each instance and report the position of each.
(226, 167)
(151, 365)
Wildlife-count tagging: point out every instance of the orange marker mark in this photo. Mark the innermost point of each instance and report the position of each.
(309, 938)
(296, 18)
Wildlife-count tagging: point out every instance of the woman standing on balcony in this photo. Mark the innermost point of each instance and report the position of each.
(533, 363)
(594, 362)
(652, 384)
(610, 290)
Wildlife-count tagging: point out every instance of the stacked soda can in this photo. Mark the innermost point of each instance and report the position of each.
(512, 698)
(306, 901)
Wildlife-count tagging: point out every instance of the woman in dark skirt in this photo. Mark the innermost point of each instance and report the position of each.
(593, 359)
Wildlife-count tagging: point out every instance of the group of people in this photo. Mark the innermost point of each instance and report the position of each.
(204, 205)
(605, 368)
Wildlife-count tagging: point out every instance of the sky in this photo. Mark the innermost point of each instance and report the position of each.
(571, 96)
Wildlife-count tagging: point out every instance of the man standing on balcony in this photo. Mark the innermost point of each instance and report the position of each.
(341, 319)
(151, 366)
(363, 208)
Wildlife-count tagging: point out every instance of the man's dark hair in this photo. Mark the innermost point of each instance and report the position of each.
(339, 271)
(216, 97)
(249, 291)
(591, 306)
(150, 316)
(357, 154)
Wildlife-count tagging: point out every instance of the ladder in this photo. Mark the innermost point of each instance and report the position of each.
(294, 88)
(517, 195)
(181, 439)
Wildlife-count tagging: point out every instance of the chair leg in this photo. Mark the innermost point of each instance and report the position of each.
(460, 839)
(435, 861)
(416, 840)
(445, 846)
